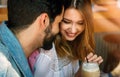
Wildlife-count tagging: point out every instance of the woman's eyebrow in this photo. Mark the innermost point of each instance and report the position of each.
(66, 19)
(81, 20)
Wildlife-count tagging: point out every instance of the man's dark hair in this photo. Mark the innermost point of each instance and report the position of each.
(21, 13)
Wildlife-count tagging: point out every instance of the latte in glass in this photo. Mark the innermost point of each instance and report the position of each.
(90, 70)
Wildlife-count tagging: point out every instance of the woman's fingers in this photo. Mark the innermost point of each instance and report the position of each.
(99, 60)
(89, 55)
(94, 58)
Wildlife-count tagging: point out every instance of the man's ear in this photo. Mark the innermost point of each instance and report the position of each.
(44, 20)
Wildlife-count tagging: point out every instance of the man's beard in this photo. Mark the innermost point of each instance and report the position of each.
(49, 38)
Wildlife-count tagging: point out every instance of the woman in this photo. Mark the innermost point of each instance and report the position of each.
(73, 43)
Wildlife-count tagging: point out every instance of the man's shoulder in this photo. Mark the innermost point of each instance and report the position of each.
(4, 49)
(6, 68)
(4, 62)
(4, 65)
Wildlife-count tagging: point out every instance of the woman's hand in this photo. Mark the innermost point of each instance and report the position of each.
(94, 58)
(91, 58)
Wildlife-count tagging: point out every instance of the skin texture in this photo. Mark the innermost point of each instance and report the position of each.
(51, 31)
(72, 24)
(55, 24)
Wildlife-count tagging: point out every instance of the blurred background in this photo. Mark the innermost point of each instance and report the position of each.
(107, 34)
(3, 10)
(106, 14)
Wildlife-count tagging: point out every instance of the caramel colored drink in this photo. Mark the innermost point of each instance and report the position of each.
(90, 70)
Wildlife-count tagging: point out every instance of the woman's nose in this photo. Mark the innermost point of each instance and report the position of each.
(73, 28)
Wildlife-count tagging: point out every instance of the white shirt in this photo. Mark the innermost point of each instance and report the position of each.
(48, 65)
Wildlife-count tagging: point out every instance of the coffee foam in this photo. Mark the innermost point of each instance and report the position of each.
(90, 67)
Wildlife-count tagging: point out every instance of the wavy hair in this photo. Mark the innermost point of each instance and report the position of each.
(84, 43)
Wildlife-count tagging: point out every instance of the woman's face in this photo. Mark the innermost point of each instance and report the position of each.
(72, 24)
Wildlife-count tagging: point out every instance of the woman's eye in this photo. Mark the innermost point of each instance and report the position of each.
(80, 23)
(67, 22)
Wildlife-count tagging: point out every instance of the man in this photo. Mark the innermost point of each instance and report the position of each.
(28, 28)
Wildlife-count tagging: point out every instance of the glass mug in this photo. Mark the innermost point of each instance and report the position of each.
(90, 70)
